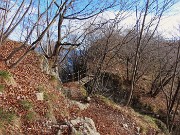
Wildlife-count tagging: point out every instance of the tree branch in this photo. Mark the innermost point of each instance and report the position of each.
(71, 44)
(1, 8)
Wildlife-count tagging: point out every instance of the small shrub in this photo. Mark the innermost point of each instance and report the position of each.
(50, 116)
(53, 97)
(26, 104)
(65, 113)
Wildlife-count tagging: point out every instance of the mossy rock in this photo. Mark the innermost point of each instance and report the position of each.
(83, 91)
(44, 64)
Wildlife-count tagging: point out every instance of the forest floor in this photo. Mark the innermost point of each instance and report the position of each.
(21, 113)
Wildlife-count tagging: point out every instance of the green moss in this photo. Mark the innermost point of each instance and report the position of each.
(147, 123)
(46, 96)
(106, 100)
(1, 88)
(151, 120)
(30, 116)
(143, 129)
(78, 133)
(5, 75)
(40, 88)
(83, 91)
(50, 97)
(52, 78)
(27, 105)
(6, 116)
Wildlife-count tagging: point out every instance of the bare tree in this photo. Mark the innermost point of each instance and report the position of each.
(143, 27)
(14, 20)
(174, 92)
(36, 42)
(65, 11)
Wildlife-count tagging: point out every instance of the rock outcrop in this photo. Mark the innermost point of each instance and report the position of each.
(79, 126)
(46, 67)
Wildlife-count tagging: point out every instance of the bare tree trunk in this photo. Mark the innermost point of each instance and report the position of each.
(100, 64)
(137, 55)
(11, 29)
(33, 45)
(127, 69)
(173, 97)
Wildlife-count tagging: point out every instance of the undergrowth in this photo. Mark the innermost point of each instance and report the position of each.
(27, 105)
(6, 117)
(1, 88)
(5, 74)
(31, 116)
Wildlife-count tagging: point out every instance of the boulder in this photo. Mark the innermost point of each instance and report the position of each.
(44, 64)
(40, 96)
(83, 126)
(80, 126)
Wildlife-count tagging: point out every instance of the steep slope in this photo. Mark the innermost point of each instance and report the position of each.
(22, 113)
(113, 119)
(21, 98)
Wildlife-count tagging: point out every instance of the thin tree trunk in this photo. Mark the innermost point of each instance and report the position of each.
(127, 69)
(139, 38)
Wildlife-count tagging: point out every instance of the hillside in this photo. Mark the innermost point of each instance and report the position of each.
(22, 113)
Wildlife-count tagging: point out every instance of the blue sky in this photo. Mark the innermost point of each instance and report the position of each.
(168, 25)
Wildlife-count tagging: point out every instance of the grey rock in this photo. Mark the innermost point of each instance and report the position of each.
(88, 126)
(40, 96)
(46, 67)
(125, 126)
